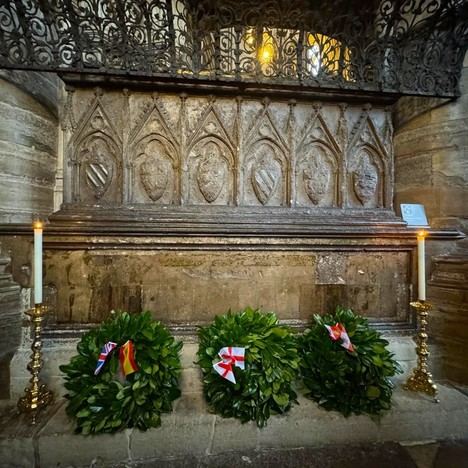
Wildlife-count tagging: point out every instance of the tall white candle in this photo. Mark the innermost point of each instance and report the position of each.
(421, 267)
(38, 262)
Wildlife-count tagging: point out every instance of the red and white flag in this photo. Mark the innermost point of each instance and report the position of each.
(230, 356)
(337, 332)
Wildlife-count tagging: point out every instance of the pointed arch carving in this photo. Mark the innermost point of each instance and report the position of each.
(266, 167)
(212, 166)
(368, 167)
(318, 165)
(95, 161)
(154, 158)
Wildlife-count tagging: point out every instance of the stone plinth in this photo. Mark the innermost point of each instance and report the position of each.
(191, 431)
(10, 323)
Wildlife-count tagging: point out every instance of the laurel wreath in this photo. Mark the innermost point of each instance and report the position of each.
(271, 365)
(105, 402)
(357, 382)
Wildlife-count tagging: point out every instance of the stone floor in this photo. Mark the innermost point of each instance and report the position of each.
(416, 433)
(444, 454)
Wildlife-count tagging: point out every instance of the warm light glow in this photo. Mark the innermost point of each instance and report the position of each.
(422, 234)
(250, 37)
(38, 225)
(327, 53)
(266, 53)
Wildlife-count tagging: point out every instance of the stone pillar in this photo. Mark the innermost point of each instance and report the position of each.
(431, 162)
(28, 162)
(10, 323)
(28, 145)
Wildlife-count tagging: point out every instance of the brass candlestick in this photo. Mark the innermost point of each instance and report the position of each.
(421, 379)
(36, 395)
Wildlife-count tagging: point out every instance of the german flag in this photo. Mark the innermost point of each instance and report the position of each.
(127, 358)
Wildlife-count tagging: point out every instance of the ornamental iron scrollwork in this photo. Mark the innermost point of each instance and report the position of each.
(386, 46)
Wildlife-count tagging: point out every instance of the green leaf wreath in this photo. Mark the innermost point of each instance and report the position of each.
(349, 382)
(271, 365)
(103, 403)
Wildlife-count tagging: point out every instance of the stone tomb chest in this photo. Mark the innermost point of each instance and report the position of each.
(189, 205)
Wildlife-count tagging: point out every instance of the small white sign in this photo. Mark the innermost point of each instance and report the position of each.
(414, 215)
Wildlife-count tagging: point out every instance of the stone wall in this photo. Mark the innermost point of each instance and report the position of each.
(431, 167)
(28, 145)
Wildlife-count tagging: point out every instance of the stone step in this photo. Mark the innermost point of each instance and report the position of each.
(191, 431)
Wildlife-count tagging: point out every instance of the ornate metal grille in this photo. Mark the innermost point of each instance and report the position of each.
(387, 46)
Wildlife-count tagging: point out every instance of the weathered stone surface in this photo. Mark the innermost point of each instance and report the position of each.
(191, 432)
(16, 444)
(448, 322)
(434, 171)
(188, 431)
(44, 87)
(152, 150)
(10, 323)
(57, 445)
(28, 152)
(194, 286)
(231, 435)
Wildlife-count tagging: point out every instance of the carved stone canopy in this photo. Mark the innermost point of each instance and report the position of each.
(386, 46)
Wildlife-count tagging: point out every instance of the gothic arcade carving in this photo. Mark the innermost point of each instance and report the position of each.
(318, 171)
(156, 150)
(94, 159)
(210, 173)
(368, 165)
(153, 166)
(265, 162)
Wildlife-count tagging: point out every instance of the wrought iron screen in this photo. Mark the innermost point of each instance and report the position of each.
(389, 46)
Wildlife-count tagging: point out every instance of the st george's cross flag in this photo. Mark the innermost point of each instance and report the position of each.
(337, 332)
(127, 358)
(231, 356)
(105, 351)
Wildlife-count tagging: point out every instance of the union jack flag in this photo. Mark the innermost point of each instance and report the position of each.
(105, 351)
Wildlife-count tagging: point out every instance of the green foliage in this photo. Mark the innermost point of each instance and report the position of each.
(103, 403)
(271, 365)
(347, 382)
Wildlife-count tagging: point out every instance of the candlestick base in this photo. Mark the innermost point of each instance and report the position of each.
(36, 395)
(421, 378)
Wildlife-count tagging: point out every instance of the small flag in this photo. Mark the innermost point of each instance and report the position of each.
(105, 351)
(230, 356)
(127, 358)
(339, 331)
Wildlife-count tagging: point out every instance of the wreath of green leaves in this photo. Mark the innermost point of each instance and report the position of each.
(357, 382)
(102, 403)
(271, 365)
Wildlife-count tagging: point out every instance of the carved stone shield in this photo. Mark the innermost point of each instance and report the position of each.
(265, 177)
(154, 176)
(316, 177)
(211, 175)
(98, 171)
(365, 181)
